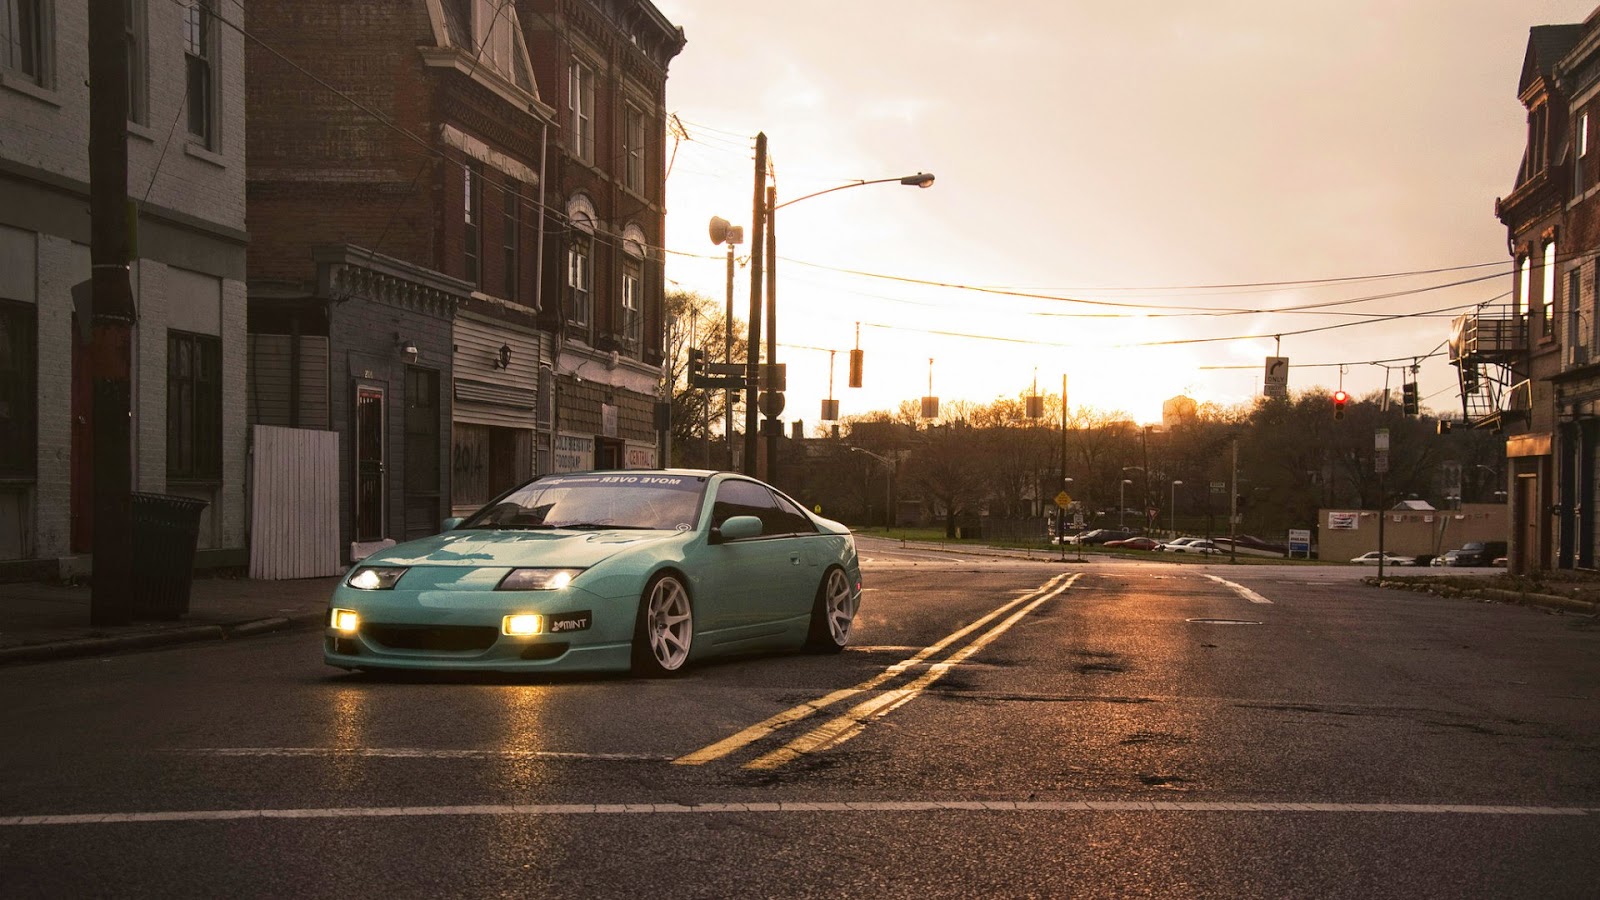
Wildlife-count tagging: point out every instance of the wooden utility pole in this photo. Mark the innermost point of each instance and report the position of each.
(111, 337)
(774, 400)
(752, 379)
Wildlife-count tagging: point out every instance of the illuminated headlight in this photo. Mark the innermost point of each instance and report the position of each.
(537, 579)
(345, 620)
(521, 625)
(375, 578)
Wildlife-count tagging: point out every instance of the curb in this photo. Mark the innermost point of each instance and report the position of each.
(81, 647)
(1496, 595)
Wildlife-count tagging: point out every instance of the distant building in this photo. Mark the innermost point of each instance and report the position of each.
(186, 177)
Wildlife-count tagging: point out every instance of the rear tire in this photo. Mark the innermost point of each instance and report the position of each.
(663, 632)
(832, 613)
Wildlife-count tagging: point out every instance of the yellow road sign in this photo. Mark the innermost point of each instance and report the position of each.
(1063, 500)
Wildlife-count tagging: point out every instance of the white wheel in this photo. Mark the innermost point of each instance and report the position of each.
(665, 630)
(833, 613)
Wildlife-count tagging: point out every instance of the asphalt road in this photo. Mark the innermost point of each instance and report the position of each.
(998, 727)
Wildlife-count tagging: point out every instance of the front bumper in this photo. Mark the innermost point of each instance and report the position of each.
(444, 629)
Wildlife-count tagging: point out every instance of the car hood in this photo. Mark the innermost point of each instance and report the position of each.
(555, 549)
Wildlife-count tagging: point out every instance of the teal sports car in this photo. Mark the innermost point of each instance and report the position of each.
(647, 570)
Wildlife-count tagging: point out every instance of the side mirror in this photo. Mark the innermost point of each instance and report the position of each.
(451, 523)
(737, 527)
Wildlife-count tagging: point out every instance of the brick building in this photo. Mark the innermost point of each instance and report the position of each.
(186, 154)
(605, 62)
(394, 277)
(1532, 368)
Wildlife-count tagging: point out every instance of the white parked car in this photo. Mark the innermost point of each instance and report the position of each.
(1191, 545)
(1370, 558)
(1178, 543)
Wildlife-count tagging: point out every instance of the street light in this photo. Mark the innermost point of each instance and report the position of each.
(767, 213)
(722, 232)
(888, 483)
(1172, 514)
(1122, 505)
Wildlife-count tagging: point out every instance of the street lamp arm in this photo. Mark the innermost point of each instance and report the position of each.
(921, 179)
(875, 456)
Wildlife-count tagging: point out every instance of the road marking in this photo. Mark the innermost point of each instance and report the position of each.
(414, 753)
(794, 714)
(881, 806)
(852, 723)
(1241, 590)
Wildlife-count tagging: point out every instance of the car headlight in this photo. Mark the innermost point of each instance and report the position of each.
(345, 620)
(537, 579)
(376, 578)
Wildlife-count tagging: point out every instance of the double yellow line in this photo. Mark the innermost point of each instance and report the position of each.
(852, 722)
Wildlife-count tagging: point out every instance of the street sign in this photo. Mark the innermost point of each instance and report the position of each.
(1063, 500)
(1219, 487)
(1275, 383)
(1380, 448)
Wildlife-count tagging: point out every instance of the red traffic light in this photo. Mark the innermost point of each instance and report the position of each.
(1340, 397)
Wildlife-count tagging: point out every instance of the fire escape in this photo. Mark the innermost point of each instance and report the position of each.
(1488, 349)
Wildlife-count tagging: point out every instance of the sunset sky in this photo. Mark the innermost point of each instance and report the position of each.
(1161, 172)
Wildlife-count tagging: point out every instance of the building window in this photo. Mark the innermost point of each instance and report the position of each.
(1537, 117)
(1583, 134)
(1523, 301)
(633, 147)
(1577, 350)
(472, 212)
(194, 407)
(22, 38)
(579, 279)
(200, 61)
(133, 12)
(19, 384)
(580, 100)
(1549, 287)
(511, 236)
(632, 317)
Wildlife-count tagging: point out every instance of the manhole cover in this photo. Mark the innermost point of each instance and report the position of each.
(1221, 622)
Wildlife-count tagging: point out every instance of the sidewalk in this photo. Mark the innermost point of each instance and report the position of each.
(49, 621)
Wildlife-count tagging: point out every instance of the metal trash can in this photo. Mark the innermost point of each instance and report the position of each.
(165, 531)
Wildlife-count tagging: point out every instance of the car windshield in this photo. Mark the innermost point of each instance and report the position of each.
(598, 501)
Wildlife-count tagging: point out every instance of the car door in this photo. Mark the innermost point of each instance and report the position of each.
(748, 580)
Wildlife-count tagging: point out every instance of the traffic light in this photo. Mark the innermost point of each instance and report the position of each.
(856, 359)
(1408, 398)
(1340, 398)
(697, 362)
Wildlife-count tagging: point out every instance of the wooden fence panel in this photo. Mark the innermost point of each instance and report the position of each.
(294, 503)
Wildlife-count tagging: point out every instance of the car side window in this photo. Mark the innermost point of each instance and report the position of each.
(744, 498)
(794, 521)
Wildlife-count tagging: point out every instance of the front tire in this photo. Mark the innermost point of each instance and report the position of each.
(832, 614)
(663, 633)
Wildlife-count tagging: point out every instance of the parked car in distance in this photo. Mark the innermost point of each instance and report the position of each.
(1477, 553)
(1107, 535)
(1370, 558)
(1136, 543)
(1448, 558)
(1179, 543)
(1193, 545)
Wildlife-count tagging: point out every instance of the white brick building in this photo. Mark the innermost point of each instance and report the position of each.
(186, 178)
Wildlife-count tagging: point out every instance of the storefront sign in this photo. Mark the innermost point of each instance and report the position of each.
(1344, 521)
(573, 453)
(637, 457)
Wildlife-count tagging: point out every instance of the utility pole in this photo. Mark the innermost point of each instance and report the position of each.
(752, 380)
(727, 357)
(1233, 508)
(774, 398)
(111, 340)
